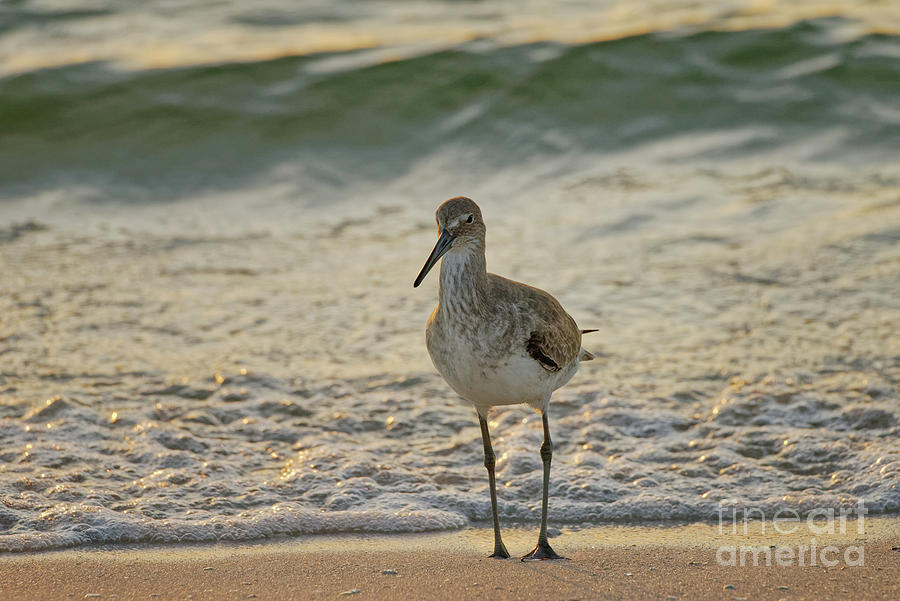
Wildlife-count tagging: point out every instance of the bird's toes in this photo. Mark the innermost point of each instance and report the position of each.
(500, 551)
(541, 552)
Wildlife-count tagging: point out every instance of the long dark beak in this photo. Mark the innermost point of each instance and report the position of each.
(442, 246)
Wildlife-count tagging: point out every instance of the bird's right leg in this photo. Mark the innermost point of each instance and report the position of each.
(489, 462)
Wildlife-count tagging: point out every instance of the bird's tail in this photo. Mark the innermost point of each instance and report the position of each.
(584, 355)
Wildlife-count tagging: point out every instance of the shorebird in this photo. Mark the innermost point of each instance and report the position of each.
(496, 341)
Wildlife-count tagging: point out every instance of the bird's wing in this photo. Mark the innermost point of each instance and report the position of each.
(555, 340)
(549, 334)
(542, 350)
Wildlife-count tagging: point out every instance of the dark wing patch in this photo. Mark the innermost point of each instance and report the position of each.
(534, 346)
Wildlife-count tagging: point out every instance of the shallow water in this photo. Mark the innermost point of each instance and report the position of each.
(208, 329)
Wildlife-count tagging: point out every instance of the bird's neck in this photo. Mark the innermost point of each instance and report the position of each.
(463, 279)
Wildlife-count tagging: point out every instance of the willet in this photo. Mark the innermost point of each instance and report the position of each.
(496, 341)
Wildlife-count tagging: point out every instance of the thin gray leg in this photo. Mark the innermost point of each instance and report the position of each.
(543, 550)
(489, 463)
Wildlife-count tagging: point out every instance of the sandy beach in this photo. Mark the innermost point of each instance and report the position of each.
(610, 562)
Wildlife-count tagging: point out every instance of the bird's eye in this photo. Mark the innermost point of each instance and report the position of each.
(470, 219)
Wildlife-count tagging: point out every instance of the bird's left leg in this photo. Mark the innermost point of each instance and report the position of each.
(543, 550)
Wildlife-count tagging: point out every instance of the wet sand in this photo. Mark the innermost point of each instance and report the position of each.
(609, 562)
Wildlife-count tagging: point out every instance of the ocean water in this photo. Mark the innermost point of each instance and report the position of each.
(209, 230)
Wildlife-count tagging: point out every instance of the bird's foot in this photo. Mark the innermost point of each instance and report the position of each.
(543, 550)
(500, 551)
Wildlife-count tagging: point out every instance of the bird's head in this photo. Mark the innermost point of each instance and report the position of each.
(460, 229)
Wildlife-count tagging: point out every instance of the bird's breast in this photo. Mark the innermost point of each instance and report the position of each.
(486, 365)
